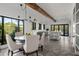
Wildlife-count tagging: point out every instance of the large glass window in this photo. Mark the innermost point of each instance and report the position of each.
(9, 26)
(66, 29)
(56, 27)
(33, 26)
(0, 29)
(52, 28)
(21, 26)
(63, 28)
(14, 26)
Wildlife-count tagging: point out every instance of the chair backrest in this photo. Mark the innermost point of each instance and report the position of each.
(31, 43)
(43, 35)
(52, 33)
(10, 42)
(18, 34)
(42, 38)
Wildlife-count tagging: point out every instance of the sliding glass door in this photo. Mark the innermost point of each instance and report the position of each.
(9, 26)
(66, 31)
(21, 26)
(56, 28)
(14, 26)
(63, 28)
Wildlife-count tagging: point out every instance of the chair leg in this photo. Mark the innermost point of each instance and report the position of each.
(11, 53)
(37, 52)
(42, 48)
(8, 52)
(26, 54)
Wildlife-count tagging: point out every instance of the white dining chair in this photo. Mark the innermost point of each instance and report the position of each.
(31, 44)
(41, 41)
(18, 34)
(12, 46)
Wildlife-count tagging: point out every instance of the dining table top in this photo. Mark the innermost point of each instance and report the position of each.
(19, 37)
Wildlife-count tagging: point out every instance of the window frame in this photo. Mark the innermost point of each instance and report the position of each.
(3, 35)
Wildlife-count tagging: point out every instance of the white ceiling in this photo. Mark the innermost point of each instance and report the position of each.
(60, 11)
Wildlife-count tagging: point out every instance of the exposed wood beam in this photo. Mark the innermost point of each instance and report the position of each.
(40, 10)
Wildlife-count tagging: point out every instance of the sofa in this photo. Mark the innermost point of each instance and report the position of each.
(54, 35)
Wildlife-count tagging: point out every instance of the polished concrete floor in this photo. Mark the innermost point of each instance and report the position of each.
(62, 47)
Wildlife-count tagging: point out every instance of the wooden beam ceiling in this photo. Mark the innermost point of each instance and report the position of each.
(40, 10)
